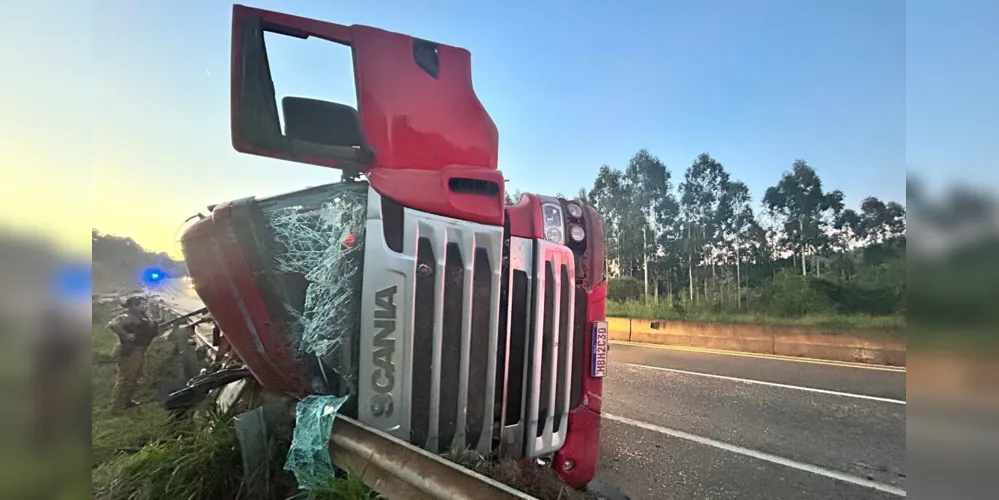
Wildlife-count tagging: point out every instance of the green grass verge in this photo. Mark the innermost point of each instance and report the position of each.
(349, 488)
(143, 455)
(894, 325)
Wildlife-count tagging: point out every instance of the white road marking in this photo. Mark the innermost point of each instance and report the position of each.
(777, 357)
(814, 469)
(771, 384)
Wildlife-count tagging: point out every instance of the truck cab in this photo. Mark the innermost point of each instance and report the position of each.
(450, 319)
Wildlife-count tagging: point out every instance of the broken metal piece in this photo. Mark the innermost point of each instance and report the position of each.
(183, 400)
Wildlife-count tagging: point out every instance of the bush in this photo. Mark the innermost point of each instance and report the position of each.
(641, 310)
(791, 295)
(624, 289)
(850, 298)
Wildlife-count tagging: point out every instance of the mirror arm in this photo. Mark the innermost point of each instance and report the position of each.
(350, 157)
(349, 154)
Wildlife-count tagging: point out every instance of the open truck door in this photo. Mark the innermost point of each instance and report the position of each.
(419, 133)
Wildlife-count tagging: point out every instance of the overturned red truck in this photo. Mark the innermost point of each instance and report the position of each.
(453, 320)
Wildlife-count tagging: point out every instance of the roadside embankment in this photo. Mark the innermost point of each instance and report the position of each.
(809, 342)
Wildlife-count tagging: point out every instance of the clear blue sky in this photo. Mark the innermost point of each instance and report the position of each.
(861, 89)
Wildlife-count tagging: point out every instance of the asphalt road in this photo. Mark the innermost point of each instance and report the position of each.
(701, 425)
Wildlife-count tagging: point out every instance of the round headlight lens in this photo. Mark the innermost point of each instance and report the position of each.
(575, 211)
(553, 234)
(577, 233)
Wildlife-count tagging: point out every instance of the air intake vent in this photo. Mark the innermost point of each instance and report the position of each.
(461, 185)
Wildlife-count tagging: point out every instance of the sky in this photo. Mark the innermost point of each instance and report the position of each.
(117, 113)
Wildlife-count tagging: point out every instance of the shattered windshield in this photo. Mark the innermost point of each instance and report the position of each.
(318, 251)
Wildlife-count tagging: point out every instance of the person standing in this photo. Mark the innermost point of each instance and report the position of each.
(135, 332)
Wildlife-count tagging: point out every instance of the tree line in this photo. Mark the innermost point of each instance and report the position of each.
(699, 241)
(118, 262)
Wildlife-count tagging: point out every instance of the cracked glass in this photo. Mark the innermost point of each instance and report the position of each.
(318, 251)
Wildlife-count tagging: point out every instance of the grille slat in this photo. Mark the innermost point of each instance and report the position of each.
(476, 391)
(551, 339)
(536, 375)
(423, 343)
(453, 345)
(438, 241)
(520, 312)
(566, 331)
(546, 347)
(565, 347)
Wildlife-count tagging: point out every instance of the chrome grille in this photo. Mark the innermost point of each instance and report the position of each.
(434, 368)
(430, 318)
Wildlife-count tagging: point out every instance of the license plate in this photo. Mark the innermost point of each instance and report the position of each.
(598, 364)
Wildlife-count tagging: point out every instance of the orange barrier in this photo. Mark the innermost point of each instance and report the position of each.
(762, 339)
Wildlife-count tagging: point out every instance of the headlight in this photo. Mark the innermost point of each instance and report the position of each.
(577, 233)
(554, 222)
(575, 211)
(553, 234)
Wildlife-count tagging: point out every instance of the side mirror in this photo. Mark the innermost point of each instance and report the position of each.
(316, 132)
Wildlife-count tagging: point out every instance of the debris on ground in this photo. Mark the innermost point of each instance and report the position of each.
(540, 482)
(309, 457)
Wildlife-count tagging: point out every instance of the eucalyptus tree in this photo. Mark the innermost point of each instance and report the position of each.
(703, 184)
(737, 227)
(803, 208)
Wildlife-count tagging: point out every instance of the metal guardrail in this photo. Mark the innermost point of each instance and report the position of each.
(398, 470)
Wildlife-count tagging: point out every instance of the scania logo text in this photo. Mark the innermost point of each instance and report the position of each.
(383, 377)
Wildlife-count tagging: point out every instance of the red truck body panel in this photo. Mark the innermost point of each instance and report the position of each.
(225, 284)
(582, 443)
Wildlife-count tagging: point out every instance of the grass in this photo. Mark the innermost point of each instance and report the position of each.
(349, 488)
(196, 463)
(143, 455)
(894, 325)
(541, 483)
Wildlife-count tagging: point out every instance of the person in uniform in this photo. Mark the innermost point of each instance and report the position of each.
(135, 332)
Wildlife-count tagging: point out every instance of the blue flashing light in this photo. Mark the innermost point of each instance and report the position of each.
(153, 275)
